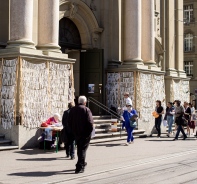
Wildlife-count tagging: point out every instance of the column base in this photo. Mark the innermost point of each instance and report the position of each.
(171, 72)
(134, 66)
(135, 61)
(49, 48)
(20, 43)
(182, 74)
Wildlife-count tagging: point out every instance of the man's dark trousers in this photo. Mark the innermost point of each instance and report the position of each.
(82, 146)
(180, 129)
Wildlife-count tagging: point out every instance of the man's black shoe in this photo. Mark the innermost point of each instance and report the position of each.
(67, 156)
(175, 139)
(77, 171)
(72, 157)
(184, 138)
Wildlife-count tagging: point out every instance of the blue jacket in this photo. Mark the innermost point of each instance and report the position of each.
(127, 115)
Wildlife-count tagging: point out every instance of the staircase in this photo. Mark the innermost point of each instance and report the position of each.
(6, 144)
(104, 133)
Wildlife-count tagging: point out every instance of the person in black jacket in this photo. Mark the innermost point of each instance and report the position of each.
(81, 125)
(159, 109)
(70, 144)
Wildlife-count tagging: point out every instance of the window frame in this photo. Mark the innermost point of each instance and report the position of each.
(188, 42)
(188, 13)
(188, 67)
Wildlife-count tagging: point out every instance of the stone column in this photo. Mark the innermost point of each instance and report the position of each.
(21, 21)
(48, 25)
(170, 38)
(179, 38)
(148, 32)
(132, 32)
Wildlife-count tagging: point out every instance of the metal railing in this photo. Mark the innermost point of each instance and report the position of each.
(104, 107)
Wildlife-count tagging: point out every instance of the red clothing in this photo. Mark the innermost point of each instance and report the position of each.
(50, 120)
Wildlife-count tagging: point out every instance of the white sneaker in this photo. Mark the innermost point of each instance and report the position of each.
(127, 144)
(131, 142)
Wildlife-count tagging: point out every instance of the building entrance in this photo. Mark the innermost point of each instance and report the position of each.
(88, 69)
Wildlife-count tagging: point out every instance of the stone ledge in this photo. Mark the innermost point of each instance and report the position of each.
(34, 55)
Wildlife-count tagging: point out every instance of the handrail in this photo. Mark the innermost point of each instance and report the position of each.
(102, 106)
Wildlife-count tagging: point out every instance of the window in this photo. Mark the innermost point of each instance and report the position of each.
(189, 68)
(188, 13)
(188, 42)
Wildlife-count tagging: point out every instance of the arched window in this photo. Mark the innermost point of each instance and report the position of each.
(69, 37)
(188, 42)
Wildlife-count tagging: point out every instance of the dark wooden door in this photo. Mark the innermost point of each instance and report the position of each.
(91, 77)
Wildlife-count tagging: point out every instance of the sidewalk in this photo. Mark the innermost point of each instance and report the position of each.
(36, 166)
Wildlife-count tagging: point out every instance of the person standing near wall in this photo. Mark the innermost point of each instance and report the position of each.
(81, 124)
(187, 115)
(127, 98)
(159, 110)
(193, 117)
(70, 144)
(170, 117)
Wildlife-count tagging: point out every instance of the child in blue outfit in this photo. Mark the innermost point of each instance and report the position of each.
(126, 123)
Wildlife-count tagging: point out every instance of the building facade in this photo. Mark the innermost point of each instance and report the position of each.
(118, 45)
(190, 42)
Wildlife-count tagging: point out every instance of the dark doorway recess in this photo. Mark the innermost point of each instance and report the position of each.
(69, 37)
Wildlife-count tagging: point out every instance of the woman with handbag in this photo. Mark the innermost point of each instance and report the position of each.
(159, 111)
(179, 112)
(193, 118)
(128, 123)
(187, 115)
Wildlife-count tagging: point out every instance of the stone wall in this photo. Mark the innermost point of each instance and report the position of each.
(39, 88)
(150, 87)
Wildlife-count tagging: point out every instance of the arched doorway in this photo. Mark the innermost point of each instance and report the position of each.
(69, 37)
(88, 68)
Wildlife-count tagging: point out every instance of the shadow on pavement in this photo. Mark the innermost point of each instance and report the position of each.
(43, 159)
(42, 174)
(36, 151)
(170, 139)
(107, 145)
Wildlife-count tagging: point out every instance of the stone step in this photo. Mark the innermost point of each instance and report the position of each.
(115, 134)
(106, 130)
(103, 125)
(95, 141)
(4, 141)
(2, 136)
(98, 121)
(102, 117)
(2, 148)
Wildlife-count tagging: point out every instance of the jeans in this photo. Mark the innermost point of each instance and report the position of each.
(82, 146)
(170, 120)
(158, 125)
(180, 129)
(130, 134)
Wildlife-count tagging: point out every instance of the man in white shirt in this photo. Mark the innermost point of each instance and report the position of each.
(127, 99)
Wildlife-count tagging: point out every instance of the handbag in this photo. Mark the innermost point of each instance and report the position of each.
(184, 122)
(155, 114)
(194, 118)
(165, 123)
(133, 124)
